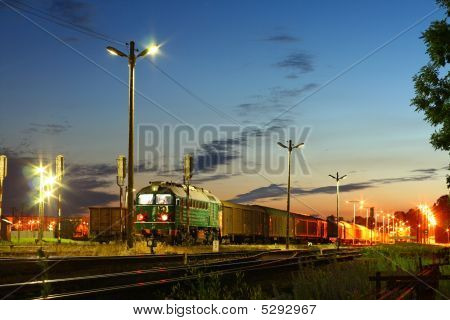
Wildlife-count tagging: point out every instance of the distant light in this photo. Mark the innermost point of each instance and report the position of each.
(50, 180)
(40, 170)
(164, 217)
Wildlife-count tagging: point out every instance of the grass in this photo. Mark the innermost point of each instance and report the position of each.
(350, 280)
(214, 287)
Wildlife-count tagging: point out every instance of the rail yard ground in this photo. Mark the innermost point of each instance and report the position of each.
(28, 248)
(328, 278)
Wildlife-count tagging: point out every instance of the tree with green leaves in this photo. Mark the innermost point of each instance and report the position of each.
(432, 83)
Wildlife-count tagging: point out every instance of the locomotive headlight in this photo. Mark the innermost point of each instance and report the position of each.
(164, 217)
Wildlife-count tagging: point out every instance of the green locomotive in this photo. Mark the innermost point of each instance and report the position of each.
(162, 213)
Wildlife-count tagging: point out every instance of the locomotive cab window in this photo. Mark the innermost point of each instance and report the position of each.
(164, 199)
(145, 199)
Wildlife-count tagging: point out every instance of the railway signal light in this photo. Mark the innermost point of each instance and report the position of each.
(121, 170)
(3, 173)
(188, 167)
(121, 174)
(3, 167)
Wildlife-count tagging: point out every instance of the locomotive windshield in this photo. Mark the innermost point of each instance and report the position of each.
(163, 199)
(145, 199)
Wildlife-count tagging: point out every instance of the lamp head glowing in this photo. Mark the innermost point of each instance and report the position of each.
(115, 52)
(152, 50)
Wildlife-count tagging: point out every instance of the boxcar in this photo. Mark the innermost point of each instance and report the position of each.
(360, 234)
(106, 223)
(302, 227)
(243, 223)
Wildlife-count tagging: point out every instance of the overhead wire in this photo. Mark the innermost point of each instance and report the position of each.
(43, 14)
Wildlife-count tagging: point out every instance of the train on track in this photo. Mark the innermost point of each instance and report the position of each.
(162, 214)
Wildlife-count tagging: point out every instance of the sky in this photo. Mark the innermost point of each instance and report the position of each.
(235, 77)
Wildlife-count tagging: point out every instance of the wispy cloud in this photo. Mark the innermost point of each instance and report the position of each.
(276, 191)
(279, 93)
(297, 62)
(48, 128)
(281, 38)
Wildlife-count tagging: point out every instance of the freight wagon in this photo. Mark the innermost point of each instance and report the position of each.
(107, 223)
(243, 223)
(302, 228)
(349, 233)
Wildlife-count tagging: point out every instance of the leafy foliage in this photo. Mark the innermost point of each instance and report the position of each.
(432, 83)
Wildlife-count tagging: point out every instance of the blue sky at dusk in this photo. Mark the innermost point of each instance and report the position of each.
(251, 60)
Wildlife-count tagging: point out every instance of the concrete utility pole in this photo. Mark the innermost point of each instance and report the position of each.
(337, 178)
(290, 147)
(3, 172)
(132, 57)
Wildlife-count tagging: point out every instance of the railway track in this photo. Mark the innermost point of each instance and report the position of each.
(23, 269)
(139, 283)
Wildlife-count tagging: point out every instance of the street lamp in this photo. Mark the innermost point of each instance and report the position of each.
(132, 57)
(338, 179)
(40, 171)
(290, 147)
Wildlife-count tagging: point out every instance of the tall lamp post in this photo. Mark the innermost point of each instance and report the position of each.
(3, 172)
(289, 147)
(338, 179)
(132, 57)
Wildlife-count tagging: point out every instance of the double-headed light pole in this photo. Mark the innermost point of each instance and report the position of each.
(289, 147)
(132, 57)
(338, 179)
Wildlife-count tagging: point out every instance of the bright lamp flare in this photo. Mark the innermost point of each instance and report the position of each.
(40, 170)
(153, 49)
(50, 180)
